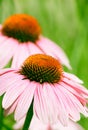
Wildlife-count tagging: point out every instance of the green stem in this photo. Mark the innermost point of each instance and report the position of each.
(28, 117)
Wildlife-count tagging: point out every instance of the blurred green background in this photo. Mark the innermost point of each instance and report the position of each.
(63, 21)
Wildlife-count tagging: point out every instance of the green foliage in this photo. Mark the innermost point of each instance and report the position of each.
(63, 21)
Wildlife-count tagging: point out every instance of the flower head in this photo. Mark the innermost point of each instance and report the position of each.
(56, 95)
(20, 36)
(41, 68)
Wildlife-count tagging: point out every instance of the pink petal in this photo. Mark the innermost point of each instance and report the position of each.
(37, 124)
(40, 107)
(50, 102)
(20, 55)
(25, 100)
(19, 123)
(79, 88)
(62, 113)
(71, 126)
(72, 77)
(6, 80)
(6, 51)
(5, 70)
(44, 104)
(34, 49)
(74, 92)
(12, 108)
(50, 48)
(3, 39)
(0, 26)
(68, 103)
(14, 90)
(76, 103)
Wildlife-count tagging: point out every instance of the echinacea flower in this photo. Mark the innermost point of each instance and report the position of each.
(20, 36)
(36, 124)
(56, 95)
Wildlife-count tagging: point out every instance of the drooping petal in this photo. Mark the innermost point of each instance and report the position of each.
(14, 90)
(71, 126)
(74, 92)
(38, 125)
(20, 55)
(62, 113)
(45, 104)
(12, 108)
(78, 87)
(72, 77)
(2, 39)
(50, 102)
(6, 80)
(25, 100)
(34, 49)
(76, 105)
(7, 50)
(40, 108)
(19, 124)
(6, 70)
(50, 48)
(68, 104)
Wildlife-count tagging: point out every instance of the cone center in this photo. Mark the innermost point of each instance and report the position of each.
(42, 68)
(22, 27)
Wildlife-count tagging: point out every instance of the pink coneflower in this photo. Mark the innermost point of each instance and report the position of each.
(20, 36)
(36, 124)
(56, 95)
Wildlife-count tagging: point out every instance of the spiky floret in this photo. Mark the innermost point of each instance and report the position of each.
(42, 68)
